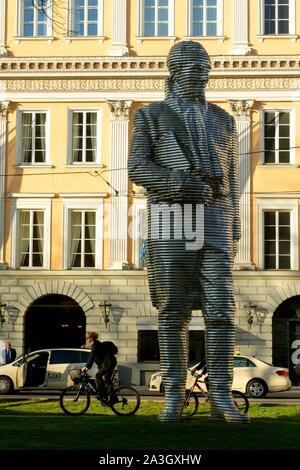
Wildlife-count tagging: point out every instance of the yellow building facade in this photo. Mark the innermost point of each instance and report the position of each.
(72, 74)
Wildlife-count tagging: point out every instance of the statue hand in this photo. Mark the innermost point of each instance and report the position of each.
(197, 190)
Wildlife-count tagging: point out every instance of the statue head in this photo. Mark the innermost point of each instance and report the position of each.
(189, 66)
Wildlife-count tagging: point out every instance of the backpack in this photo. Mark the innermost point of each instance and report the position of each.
(110, 347)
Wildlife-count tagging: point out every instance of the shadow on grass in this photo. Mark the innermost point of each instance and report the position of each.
(276, 427)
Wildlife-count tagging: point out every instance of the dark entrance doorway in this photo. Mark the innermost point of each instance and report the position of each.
(286, 329)
(54, 321)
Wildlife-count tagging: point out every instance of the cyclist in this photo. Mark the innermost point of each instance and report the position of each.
(102, 354)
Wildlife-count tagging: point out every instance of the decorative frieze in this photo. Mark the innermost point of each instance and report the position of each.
(41, 66)
(142, 84)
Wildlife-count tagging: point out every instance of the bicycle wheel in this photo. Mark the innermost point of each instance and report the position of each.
(74, 400)
(125, 401)
(240, 401)
(190, 404)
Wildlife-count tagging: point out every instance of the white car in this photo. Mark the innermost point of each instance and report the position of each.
(251, 376)
(46, 369)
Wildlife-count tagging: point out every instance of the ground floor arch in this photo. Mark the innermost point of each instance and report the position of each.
(285, 330)
(54, 321)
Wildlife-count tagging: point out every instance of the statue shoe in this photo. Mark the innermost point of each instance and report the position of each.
(169, 416)
(223, 407)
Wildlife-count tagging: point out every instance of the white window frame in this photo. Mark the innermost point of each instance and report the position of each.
(139, 204)
(98, 111)
(279, 203)
(35, 202)
(220, 20)
(19, 161)
(292, 112)
(171, 22)
(20, 21)
(70, 22)
(292, 20)
(88, 204)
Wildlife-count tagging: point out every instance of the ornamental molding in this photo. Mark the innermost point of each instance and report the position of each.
(119, 110)
(241, 108)
(47, 66)
(142, 84)
(4, 110)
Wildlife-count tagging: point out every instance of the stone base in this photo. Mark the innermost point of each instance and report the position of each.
(244, 267)
(118, 50)
(241, 49)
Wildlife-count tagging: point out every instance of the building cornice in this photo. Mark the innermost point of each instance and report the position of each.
(155, 66)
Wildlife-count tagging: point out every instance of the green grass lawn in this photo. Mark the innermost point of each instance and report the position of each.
(36, 424)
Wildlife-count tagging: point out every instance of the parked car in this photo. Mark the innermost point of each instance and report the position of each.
(43, 369)
(251, 376)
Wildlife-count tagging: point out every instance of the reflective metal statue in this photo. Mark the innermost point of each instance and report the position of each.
(184, 152)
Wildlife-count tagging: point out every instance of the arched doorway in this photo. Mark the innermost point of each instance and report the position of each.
(54, 321)
(286, 329)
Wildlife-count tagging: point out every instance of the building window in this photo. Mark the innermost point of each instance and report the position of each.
(34, 18)
(82, 231)
(31, 239)
(86, 18)
(277, 240)
(148, 349)
(85, 137)
(277, 16)
(157, 17)
(277, 138)
(83, 239)
(34, 138)
(204, 17)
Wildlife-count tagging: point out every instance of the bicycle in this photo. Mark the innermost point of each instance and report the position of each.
(191, 402)
(75, 400)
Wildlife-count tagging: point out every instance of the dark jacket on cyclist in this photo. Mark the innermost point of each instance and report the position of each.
(106, 363)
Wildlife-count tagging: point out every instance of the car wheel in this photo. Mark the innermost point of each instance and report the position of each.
(257, 388)
(6, 385)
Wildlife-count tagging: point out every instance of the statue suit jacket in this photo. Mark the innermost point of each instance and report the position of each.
(160, 161)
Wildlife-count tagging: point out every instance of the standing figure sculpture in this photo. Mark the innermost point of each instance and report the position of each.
(184, 152)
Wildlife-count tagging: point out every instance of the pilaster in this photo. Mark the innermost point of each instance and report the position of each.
(3, 144)
(3, 51)
(119, 29)
(240, 45)
(119, 182)
(242, 114)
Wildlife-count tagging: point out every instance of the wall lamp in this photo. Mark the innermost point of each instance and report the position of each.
(9, 314)
(254, 312)
(106, 310)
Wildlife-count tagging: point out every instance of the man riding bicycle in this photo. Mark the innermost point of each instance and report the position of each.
(103, 354)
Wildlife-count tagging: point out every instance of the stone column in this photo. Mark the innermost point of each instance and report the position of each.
(119, 29)
(242, 113)
(119, 182)
(240, 43)
(3, 51)
(3, 138)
